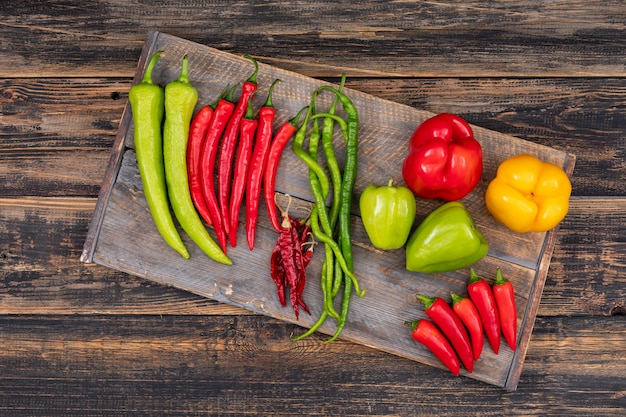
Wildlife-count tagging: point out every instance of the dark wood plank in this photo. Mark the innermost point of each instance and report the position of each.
(220, 365)
(323, 38)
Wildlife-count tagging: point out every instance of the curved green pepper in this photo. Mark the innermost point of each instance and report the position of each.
(146, 101)
(388, 214)
(180, 100)
(446, 240)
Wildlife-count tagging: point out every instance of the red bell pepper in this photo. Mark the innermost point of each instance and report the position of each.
(444, 160)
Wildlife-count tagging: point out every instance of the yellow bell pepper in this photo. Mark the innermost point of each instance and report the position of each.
(528, 195)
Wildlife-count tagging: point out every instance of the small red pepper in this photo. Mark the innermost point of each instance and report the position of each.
(481, 294)
(466, 310)
(257, 164)
(246, 138)
(279, 142)
(450, 324)
(223, 111)
(229, 143)
(444, 161)
(504, 294)
(426, 333)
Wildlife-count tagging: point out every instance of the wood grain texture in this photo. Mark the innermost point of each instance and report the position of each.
(325, 38)
(86, 340)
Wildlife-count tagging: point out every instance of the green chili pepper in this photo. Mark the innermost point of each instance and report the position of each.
(180, 100)
(446, 240)
(147, 104)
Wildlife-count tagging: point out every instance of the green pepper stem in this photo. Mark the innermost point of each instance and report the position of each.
(474, 277)
(456, 298)
(268, 101)
(500, 280)
(428, 301)
(252, 78)
(147, 76)
(184, 71)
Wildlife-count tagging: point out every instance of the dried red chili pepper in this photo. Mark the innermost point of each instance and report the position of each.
(277, 272)
(426, 333)
(289, 260)
(450, 324)
(246, 137)
(229, 143)
(223, 111)
(279, 142)
(257, 164)
(466, 310)
(481, 294)
(504, 294)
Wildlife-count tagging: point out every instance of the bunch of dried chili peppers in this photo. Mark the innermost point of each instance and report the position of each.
(458, 329)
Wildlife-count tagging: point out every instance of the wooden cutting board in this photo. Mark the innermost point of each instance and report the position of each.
(123, 236)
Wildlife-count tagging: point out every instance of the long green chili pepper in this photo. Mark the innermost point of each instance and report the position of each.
(147, 104)
(347, 188)
(318, 195)
(327, 272)
(180, 100)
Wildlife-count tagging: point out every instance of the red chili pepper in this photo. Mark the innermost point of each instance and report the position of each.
(444, 160)
(426, 333)
(229, 143)
(295, 293)
(257, 164)
(223, 111)
(450, 324)
(466, 310)
(504, 294)
(197, 133)
(246, 137)
(480, 293)
(279, 142)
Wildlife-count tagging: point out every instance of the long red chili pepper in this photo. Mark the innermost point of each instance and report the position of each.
(246, 138)
(229, 143)
(295, 294)
(277, 272)
(466, 310)
(450, 324)
(481, 294)
(223, 111)
(279, 142)
(197, 132)
(257, 164)
(504, 294)
(426, 333)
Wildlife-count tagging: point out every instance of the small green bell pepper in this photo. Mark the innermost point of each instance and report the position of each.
(388, 214)
(446, 240)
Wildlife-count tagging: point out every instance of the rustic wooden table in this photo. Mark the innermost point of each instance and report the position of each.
(81, 339)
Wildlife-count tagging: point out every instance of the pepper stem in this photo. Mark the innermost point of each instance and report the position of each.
(390, 183)
(147, 76)
(500, 280)
(456, 298)
(428, 301)
(268, 101)
(474, 277)
(252, 78)
(184, 71)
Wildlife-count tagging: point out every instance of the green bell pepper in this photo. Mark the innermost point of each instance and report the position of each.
(388, 214)
(446, 240)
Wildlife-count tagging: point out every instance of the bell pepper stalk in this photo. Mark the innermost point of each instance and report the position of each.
(444, 160)
(388, 214)
(446, 240)
(528, 195)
